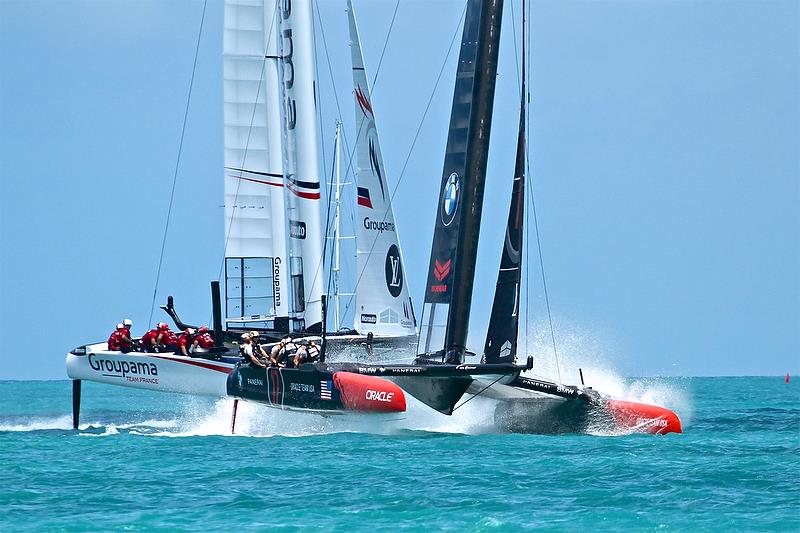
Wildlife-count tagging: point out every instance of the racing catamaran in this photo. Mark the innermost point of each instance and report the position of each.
(273, 265)
(439, 376)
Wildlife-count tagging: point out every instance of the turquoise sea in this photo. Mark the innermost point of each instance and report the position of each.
(150, 461)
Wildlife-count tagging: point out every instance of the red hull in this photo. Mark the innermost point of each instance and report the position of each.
(643, 417)
(369, 393)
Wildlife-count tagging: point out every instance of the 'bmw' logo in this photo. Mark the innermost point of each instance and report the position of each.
(450, 197)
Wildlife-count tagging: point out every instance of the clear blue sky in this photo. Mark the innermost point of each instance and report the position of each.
(665, 141)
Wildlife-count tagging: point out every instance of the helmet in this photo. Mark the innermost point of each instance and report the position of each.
(245, 336)
(127, 323)
(162, 326)
(202, 329)
(120, 326)
(254, 334)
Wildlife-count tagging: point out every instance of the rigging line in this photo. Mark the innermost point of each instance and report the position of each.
(385, 44)
(177, 163)
(348, 170)
(318, 99)
(320, 266)
(325, 242)
(465, 402)
(527, 211)
(536, 226)
(411, 149)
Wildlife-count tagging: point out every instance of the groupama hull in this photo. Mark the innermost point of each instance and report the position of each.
(165, 372)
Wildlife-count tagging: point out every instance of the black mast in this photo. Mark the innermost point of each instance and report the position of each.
(501, 337)
(455, 244)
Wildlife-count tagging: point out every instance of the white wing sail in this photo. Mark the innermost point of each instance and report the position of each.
(255, 225)
(301, 160)
(383, 306)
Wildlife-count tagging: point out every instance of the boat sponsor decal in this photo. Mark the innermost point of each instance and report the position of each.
(394, 271)
(378, 396)
(363, 102)
(297, 229)
(255, 382)
(364, 201)
(276, 281)
(367, 318)
(505, 349)
(287, 54)
(450, 198)
(380, 227)
(301, 387)
(121, 369)
(325, 388)
(440, 272)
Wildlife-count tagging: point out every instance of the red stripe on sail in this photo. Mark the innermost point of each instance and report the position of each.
(208, 366)
(301, 194)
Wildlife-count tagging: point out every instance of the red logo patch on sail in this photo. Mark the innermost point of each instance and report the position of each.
(440, 271)
(363, 101)
(363, 197)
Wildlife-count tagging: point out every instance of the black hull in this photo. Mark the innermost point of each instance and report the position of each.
(298, 388)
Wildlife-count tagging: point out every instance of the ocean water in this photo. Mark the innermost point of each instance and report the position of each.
(150, 461)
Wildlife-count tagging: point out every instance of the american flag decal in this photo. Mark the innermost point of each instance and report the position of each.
(325, 387)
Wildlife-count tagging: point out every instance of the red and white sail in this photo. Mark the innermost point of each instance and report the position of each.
(383, 305)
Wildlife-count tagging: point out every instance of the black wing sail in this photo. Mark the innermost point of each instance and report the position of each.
(448, 293)
(501, 338)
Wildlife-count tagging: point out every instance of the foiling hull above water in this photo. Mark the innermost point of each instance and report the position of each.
(530, 405)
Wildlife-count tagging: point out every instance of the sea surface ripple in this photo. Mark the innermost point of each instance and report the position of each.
(150, 461)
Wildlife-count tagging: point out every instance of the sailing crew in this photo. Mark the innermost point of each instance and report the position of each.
(283, 351)
(125, 342)
(185, 342)
(149, 340)
(203, 340)
(246, 351)
(166, 340)
(258, 349)
(113, 340)
(306, 354)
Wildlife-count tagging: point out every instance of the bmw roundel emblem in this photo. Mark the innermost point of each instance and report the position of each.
(450, 198)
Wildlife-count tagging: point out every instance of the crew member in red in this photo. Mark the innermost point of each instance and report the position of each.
(162, 336)
(113, 340)
(185, 342)
(125, 342)
(168, 339)
(149, 340)
(203, 339)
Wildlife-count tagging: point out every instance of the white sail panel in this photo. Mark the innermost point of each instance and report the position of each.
(301, 160)
(255, 226)
(383, 305)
